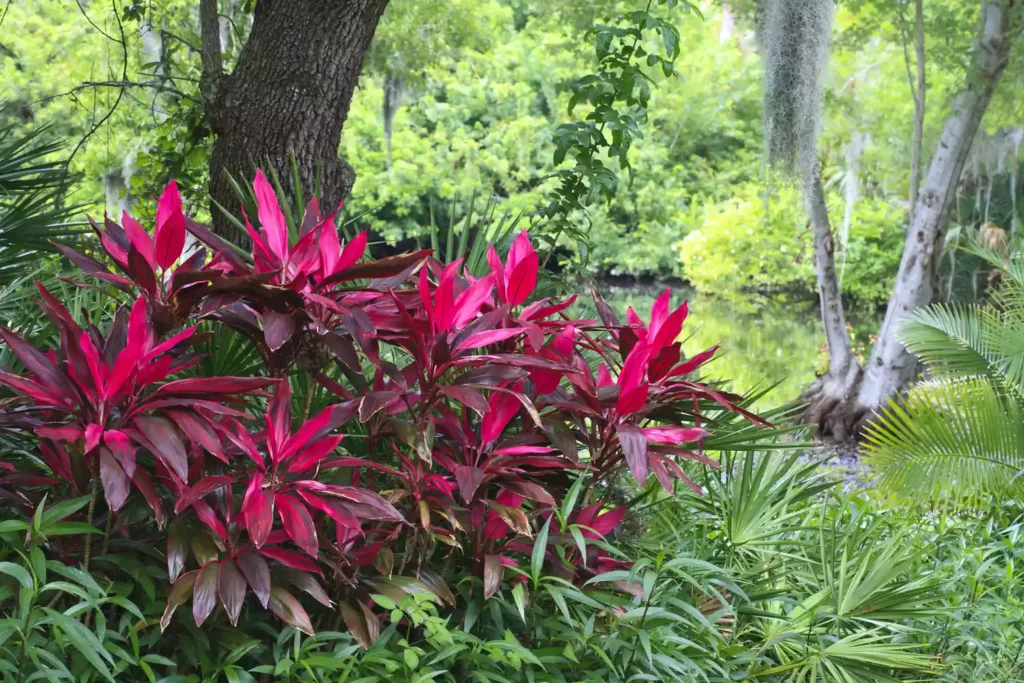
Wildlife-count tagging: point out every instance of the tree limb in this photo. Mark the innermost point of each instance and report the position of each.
(212, 79)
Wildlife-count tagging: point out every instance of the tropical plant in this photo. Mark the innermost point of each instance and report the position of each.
(960, 432)
(470, 413)
(54, 617)
(824, 587)
(32, 212)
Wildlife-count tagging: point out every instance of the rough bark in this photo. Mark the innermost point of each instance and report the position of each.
(288, 96)
(890, 367)
(843, 368)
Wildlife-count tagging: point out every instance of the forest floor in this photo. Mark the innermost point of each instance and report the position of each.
(843, 459)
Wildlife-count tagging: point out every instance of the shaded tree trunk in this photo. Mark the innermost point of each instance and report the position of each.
(288, 96)
(844, 370)
(919, 91)
(890, 367)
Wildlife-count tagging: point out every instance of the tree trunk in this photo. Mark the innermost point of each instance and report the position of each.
(919, 103)
(890, 367)
(843, 369)
(288, 95)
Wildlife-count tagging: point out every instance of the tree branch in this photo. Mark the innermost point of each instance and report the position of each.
(212, 78)
(120, 93)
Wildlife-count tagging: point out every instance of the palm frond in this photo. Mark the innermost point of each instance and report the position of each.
(32, 212)
(955, 436)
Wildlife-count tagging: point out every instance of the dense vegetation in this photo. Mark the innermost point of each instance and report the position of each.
(406, 439)
(468, 101)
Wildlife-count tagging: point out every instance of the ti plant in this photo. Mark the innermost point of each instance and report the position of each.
(462, 414)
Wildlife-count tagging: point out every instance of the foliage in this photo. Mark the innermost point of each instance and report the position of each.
(958, 433)
(760, 244)
(32, 210)
(474, 424)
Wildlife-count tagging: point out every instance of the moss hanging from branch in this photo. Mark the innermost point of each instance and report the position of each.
(795, 37)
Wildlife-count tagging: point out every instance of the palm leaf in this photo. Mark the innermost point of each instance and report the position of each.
(32, 213)
(960, 437)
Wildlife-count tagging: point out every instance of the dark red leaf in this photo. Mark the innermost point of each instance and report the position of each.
(494, 573)
(469, 479)
(199, 430)
(289, 610)
(115, 481)
(307, 583)
(177, 550)
(202, 488)
(278, 328)
(355, 620)
(467, 396)
(257, 574)
(204, 596)
(231, 589)
(212, 385)
(163, 437)
(291, 559)
(385, 267)
(180, 593)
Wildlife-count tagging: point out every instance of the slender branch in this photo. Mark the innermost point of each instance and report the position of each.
(120, 95)
(93, 23)
(167, 34)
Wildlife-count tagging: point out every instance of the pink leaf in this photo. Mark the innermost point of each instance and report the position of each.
(501, 409)
(352, 252)
(140, 239)
(475, 341)
(673, 435)
(297, 522)
(634, 447)
(522, 280)
(468, 305)
(258, 510)
(271, 217)
(694, 363)
(93, 434)
(202, 488)
(122, 449)
(170, 227)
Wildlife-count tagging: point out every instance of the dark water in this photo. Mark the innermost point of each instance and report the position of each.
(762, 340)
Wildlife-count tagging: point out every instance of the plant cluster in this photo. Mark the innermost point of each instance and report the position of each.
(470, 430)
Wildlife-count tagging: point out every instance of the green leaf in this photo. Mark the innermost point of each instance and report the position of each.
(519, 595)
(10, 525)
(18, 572)
(57, 512)
(539, 550)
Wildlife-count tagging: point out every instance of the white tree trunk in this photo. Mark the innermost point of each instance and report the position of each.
(891, 367)
(728, 27)
(920, 91)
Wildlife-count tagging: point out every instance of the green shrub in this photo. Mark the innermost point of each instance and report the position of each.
(754, 244)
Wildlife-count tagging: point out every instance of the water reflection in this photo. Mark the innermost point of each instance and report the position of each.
(762, 340)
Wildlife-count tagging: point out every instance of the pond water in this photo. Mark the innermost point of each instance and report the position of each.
(763, 340)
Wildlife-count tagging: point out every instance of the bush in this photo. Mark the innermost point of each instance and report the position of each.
(374, 434)
(738, 249)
